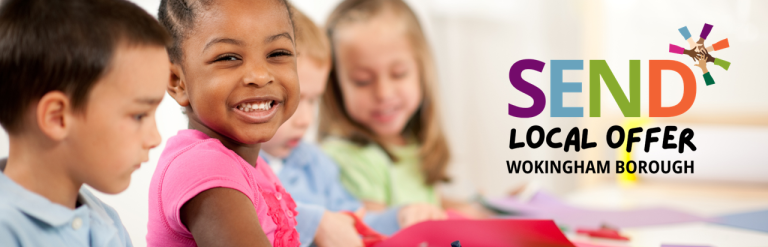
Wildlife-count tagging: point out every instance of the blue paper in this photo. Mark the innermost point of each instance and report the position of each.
(757, 220)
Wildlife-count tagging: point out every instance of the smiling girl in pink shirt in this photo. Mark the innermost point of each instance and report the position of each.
(234, 73)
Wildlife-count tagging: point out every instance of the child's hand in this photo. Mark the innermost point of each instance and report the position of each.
(415, 213)
(374, 206)
(692, 53)
(337, 229)
(703, 61)
(699, 45)
(472, 210)
(360, 213)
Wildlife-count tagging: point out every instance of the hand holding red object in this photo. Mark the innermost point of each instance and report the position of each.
(370, 237)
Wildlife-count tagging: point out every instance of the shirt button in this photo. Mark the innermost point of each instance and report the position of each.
(77, 223)
(289, 213)
(279, 196)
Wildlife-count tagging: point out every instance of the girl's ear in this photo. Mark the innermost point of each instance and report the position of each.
(177, 86)
(54, 115)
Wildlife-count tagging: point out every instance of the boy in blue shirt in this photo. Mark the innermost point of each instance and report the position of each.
(80, 81)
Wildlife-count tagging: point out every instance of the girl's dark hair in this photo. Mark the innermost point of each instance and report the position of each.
(178, 17)
(54, 45)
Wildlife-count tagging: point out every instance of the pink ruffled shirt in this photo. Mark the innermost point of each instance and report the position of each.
(191, 163)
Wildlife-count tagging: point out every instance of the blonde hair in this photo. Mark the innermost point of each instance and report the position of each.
(424, 125)
(311, 41)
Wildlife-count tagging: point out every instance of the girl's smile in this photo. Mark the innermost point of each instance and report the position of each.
(257, 109)
(385, 115)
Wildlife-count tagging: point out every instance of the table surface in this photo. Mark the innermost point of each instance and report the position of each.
(705, 199)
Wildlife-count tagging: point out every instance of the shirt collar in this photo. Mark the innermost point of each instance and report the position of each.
(268, 157)
(41, 208)
(97, 207)
(299, 156)
(33, 204)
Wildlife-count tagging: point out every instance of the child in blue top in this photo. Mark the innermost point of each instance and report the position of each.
(80, 81)
(313, 180)
(311, 176)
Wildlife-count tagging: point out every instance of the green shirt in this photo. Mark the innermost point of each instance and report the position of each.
(369, 174)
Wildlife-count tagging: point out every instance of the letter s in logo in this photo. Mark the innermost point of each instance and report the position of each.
(516, 78)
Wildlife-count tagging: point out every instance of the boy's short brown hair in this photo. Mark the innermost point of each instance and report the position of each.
(55, 45)
(311, 41)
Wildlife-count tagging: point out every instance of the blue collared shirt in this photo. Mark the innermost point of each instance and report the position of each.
(28, 219)
(312, 178)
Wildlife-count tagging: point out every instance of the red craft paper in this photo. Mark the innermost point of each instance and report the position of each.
(486, 233)
(579, 244)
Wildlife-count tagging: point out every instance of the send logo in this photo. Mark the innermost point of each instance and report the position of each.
(628, 102)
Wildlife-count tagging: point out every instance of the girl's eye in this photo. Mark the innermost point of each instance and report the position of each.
(400, 75)
(362, 83)
(281, 53)
(139, 117)
(226, 58)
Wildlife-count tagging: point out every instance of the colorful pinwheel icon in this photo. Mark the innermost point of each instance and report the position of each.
(701, 54)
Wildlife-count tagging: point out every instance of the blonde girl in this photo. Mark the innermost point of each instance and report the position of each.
(379, 114)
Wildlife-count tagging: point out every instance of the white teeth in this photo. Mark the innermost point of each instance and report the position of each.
(247, 107)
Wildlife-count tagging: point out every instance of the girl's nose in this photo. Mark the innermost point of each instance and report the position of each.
(258, 75)
(384, 89)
